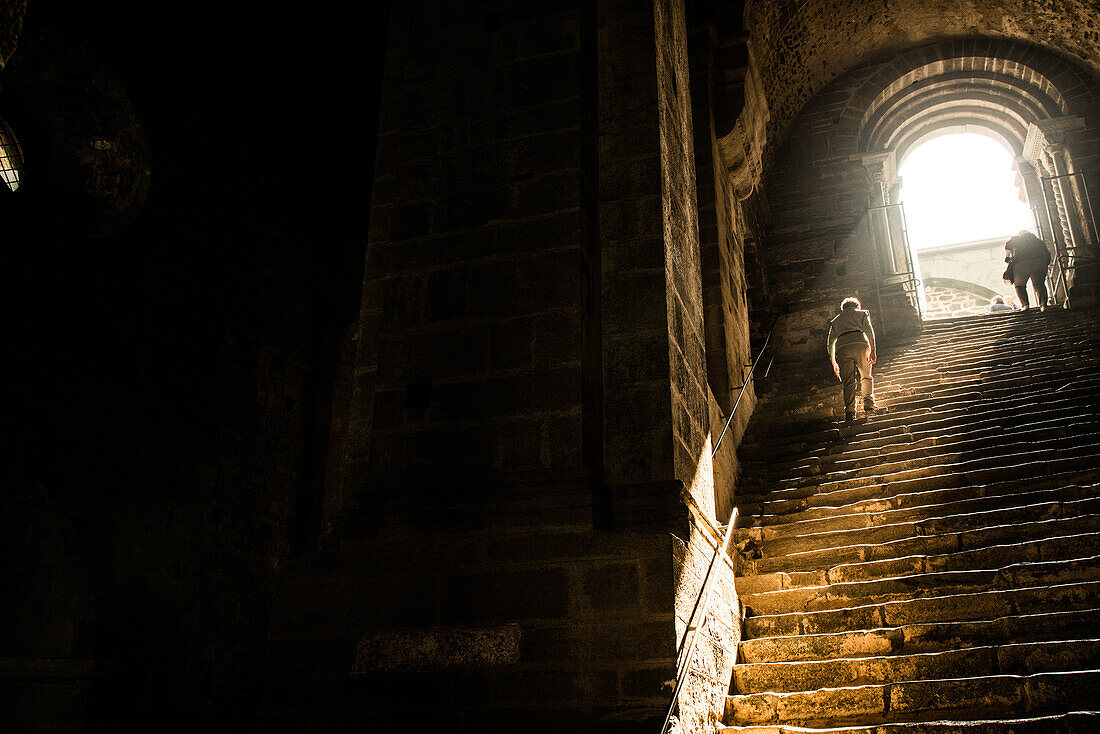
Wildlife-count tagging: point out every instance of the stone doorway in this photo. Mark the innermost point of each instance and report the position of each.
(963, 198)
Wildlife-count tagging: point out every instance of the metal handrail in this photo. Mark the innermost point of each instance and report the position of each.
(683, 656)
(733, 410)
(702, 601)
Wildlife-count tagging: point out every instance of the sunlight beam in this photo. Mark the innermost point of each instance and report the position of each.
(961, 187)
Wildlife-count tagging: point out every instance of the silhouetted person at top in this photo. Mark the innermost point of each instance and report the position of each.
(851, 346)
(997, 304)
(1029, 259)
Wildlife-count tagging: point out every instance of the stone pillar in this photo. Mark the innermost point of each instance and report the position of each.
(877, 176)
(656, 437)
(1033, 187)
(896, 306)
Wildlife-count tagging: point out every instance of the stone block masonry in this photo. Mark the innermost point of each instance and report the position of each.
(551, 629)
(476, 265)
(532, 416)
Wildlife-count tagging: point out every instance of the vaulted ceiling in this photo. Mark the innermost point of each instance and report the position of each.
(797, 46)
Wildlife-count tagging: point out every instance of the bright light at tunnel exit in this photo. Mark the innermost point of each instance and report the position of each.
(958, 188)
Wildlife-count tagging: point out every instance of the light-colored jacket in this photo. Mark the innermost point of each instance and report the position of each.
(848, 327)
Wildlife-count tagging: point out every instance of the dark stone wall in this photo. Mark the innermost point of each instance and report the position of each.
(514, 352)
(169, 372)
(472, 330)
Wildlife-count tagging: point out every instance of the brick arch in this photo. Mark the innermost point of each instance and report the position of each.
(1018, 83)
(1001, 107)
(998, 100)
(987, 128)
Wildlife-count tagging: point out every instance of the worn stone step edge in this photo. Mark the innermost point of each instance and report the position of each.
(1075, 722)
(925, 452)
(940, 357)
(1069, 464)
(925, 422)
(901, 508)
(905, 391)
(772, 525)
(974, 539)
(763, 432)
(1043, 549)
(921, 700)
(928, 610)
(825, 462)
(925, 526)
(845, 594)
(1012, 658)
(817, 384)
(920, 638)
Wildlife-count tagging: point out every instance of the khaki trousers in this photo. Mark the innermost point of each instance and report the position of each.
(1036, 271)
(854, 361)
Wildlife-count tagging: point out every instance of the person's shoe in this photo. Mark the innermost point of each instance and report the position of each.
(872, 409)
(849, 415)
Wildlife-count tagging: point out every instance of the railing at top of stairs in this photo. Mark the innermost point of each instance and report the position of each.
(698, 616)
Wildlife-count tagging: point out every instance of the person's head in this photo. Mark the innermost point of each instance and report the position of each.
(849, 303)
(997, 299)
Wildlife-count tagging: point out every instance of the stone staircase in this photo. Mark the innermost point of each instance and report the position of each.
(935, 569)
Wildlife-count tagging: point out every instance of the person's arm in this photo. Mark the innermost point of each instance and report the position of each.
(869, 331)
(830, 349)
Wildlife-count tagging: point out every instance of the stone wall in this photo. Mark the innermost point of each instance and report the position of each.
(978, 263)
(470, 349)
(528, 437)
(722, 234)
(946, 302)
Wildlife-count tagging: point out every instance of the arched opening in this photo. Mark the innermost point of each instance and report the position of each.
(11, 157)
(962, 199)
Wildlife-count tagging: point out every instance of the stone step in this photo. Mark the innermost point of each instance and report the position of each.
(909, 507)
(1071, 531)
(926, 610)
(930, 451)
(846, 594)
(1042, 471)
(942, 371)
(1018, 658)
(770, 435)
(1043, 549)
(922, 524)
(917, 638)
(943, 366)
(986, 364)
(983, 697)
(1063, 529)
(867, 438)
(906, 445)
(983, 360)
(761, 444)
(1076, 722)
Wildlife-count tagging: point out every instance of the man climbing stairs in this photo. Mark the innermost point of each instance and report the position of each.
(936, 569)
